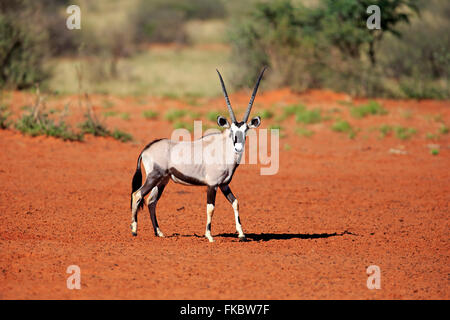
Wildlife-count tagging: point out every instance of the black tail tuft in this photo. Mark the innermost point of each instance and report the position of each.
(137, 180)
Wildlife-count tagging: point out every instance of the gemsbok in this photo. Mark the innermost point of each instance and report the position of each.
(209, 161)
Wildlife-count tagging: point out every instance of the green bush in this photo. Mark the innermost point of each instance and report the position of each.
(92, 126)
(174, 114)
(4, 115)
(163, 20)
(265, 114)
(322, 45)
(22, 54)
(345, 127)
(150, 114)
(38, 124)
(121, 135)
(403, 133)
(370, 108)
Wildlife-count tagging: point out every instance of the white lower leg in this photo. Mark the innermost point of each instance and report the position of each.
(134, 227)
(134, 208)
(209, 214)
(236, 218)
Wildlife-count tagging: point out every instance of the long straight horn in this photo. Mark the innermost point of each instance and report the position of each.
(250, 104)
(230, 110)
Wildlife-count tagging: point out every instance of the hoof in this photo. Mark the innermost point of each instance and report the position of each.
(243, 239)
(159, 233)
(134, 234)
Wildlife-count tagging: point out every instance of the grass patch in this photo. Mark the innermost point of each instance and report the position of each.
(195, 115)
(125, 116)
(265, 114)
(308, 116)
(287, 147)
(150, 114)
(443, 129)
(431, 136)
(279, 128)
(110, 113)
(174, 114)
(385, 130)
(406, 114)
(370, 108)
(107, 104)
(183, 125)
(304, 132)
(92, 126)
(434, 152)
(345, 103)
(36, 123)
(121, 135)
(404, 133)
(187, 71)
(212, 115)
(344, 127)
(401, 133)
(4, 115)
(302, 114)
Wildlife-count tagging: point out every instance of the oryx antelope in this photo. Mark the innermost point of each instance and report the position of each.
(160, 159)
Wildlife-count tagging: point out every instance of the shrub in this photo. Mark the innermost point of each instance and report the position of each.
(326, 44)
(92, 126)
(443, 129)
(23, 51)
(265, 114)
(121, 136)
(36, 123)
(183, 125)
(4, 115)
(370, 108)
(174, 114)
(302, 114)
(304, 132)
(344, 126)
(385, 130)
(212, 115)
(403, 133)
(163, 20)
(308, 116)
(150, 114)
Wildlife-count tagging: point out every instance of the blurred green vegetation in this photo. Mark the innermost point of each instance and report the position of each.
(171, 48)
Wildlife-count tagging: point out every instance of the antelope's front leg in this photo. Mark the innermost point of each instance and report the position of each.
(235, 204)
(210, 203)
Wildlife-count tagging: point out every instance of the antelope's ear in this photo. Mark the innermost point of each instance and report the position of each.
(222, 122)
(255, 122)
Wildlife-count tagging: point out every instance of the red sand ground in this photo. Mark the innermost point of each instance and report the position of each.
(335, 207)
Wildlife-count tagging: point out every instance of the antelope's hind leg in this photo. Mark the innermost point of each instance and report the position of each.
(235, 204)
(137, 197)
(152, 200)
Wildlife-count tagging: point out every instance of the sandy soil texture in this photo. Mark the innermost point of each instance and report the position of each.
(336, 206)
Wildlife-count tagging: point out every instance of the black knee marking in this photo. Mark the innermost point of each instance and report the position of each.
(208, 227)
(227, 193)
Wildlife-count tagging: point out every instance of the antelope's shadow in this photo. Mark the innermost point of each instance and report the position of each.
(275, 236)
